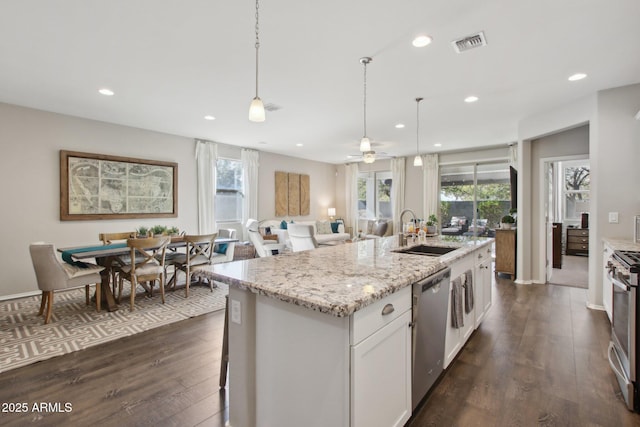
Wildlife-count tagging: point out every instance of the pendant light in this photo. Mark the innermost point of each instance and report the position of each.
(417, 161)
(256, 110)
(369, 156)
(365, 144)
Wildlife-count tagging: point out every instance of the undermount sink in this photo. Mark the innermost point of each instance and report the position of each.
(426, 250)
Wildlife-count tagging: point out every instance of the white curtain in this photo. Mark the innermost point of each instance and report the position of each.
(206, 157)
(431, 185)
(250, 164)
(351, 196)
(397, 190)
(513, 155)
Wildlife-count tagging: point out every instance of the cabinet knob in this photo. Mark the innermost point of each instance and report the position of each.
(388, 309)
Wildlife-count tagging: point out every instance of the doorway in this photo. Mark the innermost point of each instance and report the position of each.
(566, 183)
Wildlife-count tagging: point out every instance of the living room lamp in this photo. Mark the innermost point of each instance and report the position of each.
(256, 110)
(365, 144)
(332, 213)
(417, 161)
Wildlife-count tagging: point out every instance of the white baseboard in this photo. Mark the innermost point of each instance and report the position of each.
(595, 306)
(22, 295)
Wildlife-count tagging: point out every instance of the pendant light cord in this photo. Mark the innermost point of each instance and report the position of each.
(257, 44)
(365, 61)
(418, 126)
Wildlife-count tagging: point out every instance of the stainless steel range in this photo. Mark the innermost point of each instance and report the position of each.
(624, 346)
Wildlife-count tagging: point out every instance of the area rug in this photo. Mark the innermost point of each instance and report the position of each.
(574, 272)
(24, 339)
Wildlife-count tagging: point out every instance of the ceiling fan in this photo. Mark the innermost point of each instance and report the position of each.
(369, 156)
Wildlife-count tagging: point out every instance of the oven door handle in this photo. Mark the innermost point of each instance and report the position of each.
(619, 373)
(618, 281)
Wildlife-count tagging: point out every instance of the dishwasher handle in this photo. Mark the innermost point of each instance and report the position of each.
(434, 282)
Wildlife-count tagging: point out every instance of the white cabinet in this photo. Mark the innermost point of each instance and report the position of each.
(607, 286)
(483, 284)
(381, 362)
(456, 337)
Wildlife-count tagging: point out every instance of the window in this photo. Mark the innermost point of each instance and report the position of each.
(576, 177)
(483, 189)
(374, 195)
(229, 190)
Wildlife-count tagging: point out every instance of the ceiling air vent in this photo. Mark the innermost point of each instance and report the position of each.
(469, 42)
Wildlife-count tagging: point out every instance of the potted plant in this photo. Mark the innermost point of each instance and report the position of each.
(142, 231)
(173, 231)
(507, 222)
(432, 224)
(158, 230)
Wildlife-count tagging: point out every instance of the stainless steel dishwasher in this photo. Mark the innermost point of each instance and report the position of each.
(430, 303)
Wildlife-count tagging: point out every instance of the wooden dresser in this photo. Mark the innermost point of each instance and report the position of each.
(577, 241)
(506, 252)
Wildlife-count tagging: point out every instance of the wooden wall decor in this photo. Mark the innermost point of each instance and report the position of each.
(305, 199)
(292, 194)
(282, 194)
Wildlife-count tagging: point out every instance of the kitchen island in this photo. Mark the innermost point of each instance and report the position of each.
(307, 342)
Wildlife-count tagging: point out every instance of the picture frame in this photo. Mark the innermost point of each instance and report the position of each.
(98, 187)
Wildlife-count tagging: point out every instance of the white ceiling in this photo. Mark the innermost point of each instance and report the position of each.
(172, 62)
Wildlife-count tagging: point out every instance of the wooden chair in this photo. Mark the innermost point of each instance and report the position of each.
(110, 238)
(199, 253)
(54, 275)
(147, 265)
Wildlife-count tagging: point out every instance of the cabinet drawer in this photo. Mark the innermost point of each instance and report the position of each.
(577, 232)
(482, 255)
(578, 247)
(368, 320)
(579, 239)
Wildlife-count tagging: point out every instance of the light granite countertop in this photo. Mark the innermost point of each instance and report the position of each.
(621, 244)
(341, 279)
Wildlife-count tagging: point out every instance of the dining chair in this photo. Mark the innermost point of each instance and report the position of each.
(301, 237)
(223, 252)
(199, 253)
(111, 238)
(262, 249)
(147, 265)
(54, 275)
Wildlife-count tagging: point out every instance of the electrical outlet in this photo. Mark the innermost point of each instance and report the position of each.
(613, 217)
(236, 312)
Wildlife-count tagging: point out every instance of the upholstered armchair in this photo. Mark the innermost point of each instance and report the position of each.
(263, 248)
(301, 237)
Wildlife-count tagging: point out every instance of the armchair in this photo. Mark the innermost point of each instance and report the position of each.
(262, 249)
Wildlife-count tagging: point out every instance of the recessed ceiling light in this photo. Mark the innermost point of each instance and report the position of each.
(471, 98)
(299, 144)
(400, 126)
(209, 117)
(422, 40)
(437, 144)
(106, 92)
(577, 76)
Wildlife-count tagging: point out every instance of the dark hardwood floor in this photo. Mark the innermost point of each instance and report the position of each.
(538, 359)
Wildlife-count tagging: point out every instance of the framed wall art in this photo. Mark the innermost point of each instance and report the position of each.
(97, 186)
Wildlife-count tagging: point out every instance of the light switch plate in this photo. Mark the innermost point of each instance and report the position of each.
(613, 217)
(236, 312)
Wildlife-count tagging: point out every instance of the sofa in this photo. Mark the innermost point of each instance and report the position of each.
(375, 228)
(456, 226)
(324, 232)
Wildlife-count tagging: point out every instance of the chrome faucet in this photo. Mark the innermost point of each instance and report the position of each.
(402, 239)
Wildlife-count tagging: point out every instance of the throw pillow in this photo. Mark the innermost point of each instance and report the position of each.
(334, 227)
(283, 225)
(323, 227)
(221, 248)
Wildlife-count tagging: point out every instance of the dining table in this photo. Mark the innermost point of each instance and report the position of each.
(108, 255)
